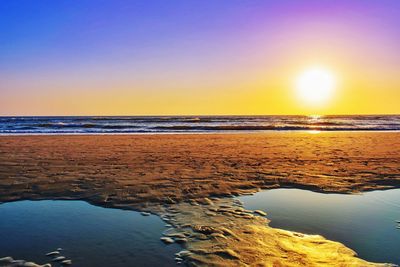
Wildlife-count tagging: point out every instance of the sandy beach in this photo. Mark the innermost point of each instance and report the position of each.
(145, 169)
(185, 179)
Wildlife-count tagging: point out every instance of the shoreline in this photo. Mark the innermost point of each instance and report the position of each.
(222, 132)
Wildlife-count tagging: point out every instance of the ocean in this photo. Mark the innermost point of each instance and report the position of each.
(194, 124)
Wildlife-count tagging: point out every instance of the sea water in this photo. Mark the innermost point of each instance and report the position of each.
(194, 124)
(89, 235)
(365, 222)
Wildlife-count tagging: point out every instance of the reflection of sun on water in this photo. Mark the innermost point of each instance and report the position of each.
(314, 119)
(314, 131)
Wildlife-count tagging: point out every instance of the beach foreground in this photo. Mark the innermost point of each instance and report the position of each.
(183, 178)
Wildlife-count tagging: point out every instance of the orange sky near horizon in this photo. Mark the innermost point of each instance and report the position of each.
(255, 93)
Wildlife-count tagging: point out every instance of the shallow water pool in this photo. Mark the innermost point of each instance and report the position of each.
(366, 223)
(89, 235)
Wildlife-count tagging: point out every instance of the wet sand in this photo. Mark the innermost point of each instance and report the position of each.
(222, 233)
(158, 173)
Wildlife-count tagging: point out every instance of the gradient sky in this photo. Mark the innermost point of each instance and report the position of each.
(195, 57)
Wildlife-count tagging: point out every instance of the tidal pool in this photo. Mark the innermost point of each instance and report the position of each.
(89, 235)
(366, 223)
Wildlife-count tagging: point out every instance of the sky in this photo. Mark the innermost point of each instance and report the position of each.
(194, 57)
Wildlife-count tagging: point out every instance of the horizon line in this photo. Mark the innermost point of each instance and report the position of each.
(208, 115)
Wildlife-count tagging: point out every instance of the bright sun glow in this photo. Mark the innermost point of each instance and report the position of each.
(315, 86)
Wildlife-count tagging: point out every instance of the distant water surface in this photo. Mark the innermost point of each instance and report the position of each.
(194, 124)
(366, 223)
(89, 235)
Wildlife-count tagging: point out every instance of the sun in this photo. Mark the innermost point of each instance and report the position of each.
(315, 86)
